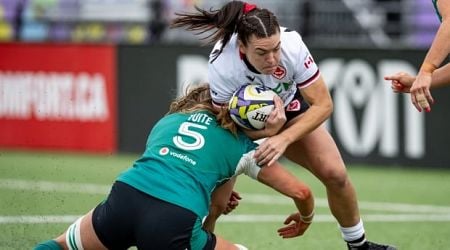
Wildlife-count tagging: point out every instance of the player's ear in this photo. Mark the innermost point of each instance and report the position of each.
(242, 48)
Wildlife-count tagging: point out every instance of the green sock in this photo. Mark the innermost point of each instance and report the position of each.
(48, 245)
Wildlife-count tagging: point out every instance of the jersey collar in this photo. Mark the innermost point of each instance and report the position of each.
(248, 64)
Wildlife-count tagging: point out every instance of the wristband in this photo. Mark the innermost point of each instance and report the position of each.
(307, 219)
(428, 67)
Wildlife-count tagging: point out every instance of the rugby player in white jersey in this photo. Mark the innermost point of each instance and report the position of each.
(251, 47)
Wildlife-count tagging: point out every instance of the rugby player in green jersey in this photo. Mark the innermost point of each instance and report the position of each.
(160, 201)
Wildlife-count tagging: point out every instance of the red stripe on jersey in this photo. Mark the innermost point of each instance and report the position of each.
(309, 81)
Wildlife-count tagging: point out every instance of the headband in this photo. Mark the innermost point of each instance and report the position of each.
(248, 7)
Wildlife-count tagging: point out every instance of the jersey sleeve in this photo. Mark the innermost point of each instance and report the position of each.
(305, 68)
(218, 84)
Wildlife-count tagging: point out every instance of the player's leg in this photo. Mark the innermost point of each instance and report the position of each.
(80, 235)
(48, 245)
(318, 153)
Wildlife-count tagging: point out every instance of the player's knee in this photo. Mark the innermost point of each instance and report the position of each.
(302, 193)
(335, 178)
(73, 236)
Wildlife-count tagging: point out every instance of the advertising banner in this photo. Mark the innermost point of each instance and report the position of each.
(370, 123)
(58, 96)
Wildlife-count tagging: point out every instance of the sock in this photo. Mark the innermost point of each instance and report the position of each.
(354, 235)
(48, 245)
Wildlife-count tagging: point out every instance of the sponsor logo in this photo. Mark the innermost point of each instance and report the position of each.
(164, 151)
(280, 72)
(53, 96)
(294, 105)
(251, 78)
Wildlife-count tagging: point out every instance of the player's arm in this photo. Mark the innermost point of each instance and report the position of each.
(439, 50)
(281, 180)
(443, 35)
(401, 82)
(220, 199)
(278, 178)
(441, 77)
(321, 107)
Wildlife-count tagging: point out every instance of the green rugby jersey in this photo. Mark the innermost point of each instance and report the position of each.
(437, 10)
(186, 156)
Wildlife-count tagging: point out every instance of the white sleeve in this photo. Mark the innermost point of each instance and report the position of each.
(218, 85)
(306, 70)
(248, 166)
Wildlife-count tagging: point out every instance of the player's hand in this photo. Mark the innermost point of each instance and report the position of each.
(233, 202)
(400, 82)
(276, 119)
(420, 92)
(295, 227)
(271, 149)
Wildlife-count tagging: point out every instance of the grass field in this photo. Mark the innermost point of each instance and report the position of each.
(42, 193)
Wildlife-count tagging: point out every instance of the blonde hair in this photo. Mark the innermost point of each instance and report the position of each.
(199, 98)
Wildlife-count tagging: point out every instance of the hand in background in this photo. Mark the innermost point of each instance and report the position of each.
(401, 82)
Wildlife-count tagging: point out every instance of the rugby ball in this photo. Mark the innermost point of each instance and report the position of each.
(250, 106)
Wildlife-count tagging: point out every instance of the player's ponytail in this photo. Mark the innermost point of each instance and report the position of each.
(221, 23)
(234, 17)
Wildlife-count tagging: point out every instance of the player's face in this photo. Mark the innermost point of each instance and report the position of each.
(263, 53)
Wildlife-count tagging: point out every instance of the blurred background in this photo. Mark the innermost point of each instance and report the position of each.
(95, 75)
(323, 23)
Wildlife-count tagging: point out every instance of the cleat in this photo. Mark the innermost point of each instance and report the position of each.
(368, 245)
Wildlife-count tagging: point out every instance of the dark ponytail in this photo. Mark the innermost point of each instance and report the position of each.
(234, 17)
(223, 23)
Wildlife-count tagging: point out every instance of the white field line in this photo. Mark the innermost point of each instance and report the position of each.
(64, 187)
(242, 218)
(47, 186)
(375, 206)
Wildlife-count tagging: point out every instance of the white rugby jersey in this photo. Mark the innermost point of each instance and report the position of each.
(228, 71)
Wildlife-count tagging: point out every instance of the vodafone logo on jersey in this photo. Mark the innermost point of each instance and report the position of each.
(164, 151)
(280, 72)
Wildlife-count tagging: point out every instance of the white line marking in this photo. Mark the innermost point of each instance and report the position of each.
(89, 188)
(375, 206)
(36, 219)
(54, 186)
(241, 218)
(330, 218)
